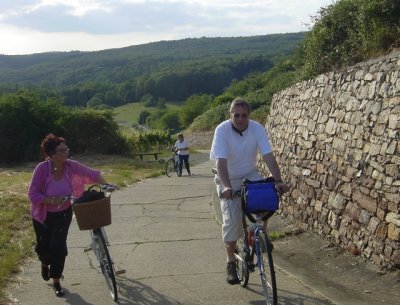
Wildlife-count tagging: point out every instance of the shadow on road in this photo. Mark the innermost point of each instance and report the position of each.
(291, 298)
(134, 292)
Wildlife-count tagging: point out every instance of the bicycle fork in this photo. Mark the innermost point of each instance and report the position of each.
(95, 247)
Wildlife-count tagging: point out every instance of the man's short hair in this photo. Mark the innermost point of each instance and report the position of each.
(239, 102)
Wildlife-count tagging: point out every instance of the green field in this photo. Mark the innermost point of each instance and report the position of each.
(128, 115)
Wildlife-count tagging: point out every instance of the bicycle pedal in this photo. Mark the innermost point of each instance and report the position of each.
(119, 272)
(87, 249)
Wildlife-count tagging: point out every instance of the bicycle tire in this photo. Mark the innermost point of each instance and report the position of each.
(170, 167)
(106, 264)
(267, 270)
(242, 264)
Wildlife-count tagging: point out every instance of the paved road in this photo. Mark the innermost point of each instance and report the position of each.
(165, 234)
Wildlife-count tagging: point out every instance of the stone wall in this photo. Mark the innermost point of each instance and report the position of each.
(336, 138)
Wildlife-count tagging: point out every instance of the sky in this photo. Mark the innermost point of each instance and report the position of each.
(37, 26)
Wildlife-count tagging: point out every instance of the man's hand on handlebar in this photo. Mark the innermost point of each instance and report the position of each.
(281, 187)
(227, 193)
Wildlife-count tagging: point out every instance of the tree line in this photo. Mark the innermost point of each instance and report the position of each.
(25, 118)
(172, 70)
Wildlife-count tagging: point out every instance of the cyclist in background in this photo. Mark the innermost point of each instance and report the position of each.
(235, 146)
(182, 148)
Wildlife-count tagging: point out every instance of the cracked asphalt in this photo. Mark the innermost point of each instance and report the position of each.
(165, 234)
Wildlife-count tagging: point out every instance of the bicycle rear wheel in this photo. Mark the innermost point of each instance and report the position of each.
(170, 167)
(267, 270)
(242, 267)
(106, 264)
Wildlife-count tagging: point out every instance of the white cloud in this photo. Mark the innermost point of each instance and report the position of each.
(59, 25)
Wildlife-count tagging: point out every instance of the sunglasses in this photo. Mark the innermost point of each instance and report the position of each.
(242, 115)
(66, 149)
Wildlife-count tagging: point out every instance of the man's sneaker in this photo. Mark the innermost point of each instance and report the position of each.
(231, 274)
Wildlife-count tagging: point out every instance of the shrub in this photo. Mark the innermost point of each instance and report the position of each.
(25, 119)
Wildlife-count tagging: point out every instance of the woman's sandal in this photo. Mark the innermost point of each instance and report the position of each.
(58, 289)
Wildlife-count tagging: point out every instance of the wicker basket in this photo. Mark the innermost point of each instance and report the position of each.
(93, 215)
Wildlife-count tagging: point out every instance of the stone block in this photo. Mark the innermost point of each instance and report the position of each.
(394, 121)
(392, 170)
(364, 217)
(392, 148)
(331, 127)
(339, 144)
(388, 251)
(365, 201)
(312, 182)
(393, 206)
(318, 205)
(346, 189)
(393, 232)
(380, 214)
(393, 218)
(373, 224)
(395, 258)
(354, 212)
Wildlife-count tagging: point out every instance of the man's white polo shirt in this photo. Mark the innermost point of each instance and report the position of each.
(240, 149)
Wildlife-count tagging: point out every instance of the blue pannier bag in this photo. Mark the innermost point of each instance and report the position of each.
(259, 196)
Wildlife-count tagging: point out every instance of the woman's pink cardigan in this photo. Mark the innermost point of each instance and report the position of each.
(76, 173)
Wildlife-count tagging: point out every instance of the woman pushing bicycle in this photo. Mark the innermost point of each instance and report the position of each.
(53, 180)
(235, 146)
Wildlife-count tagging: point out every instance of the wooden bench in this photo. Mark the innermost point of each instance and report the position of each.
(155, 154)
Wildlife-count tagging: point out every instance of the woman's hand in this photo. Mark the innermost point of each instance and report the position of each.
(56, 200)
(111, 187)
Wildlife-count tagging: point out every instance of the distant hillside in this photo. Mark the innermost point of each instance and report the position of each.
(207, 65)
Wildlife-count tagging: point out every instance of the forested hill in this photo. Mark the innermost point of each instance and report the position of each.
(154, 64)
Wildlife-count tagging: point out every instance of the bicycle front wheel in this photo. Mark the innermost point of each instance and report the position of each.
(170, 167)
(106, 264)
(242, 264)
(267, 270)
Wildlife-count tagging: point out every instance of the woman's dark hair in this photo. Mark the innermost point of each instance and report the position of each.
(49, 145)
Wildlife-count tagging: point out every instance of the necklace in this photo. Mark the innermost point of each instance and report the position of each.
(54, 167)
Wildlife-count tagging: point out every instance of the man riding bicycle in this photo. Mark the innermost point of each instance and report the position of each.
(235, 146)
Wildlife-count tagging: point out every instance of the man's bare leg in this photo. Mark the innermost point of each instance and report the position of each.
(231, 277)
(230, 251)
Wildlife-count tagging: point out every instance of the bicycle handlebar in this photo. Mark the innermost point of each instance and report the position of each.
(105, 188)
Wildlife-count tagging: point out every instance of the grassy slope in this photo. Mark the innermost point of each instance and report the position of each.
(127, 115)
